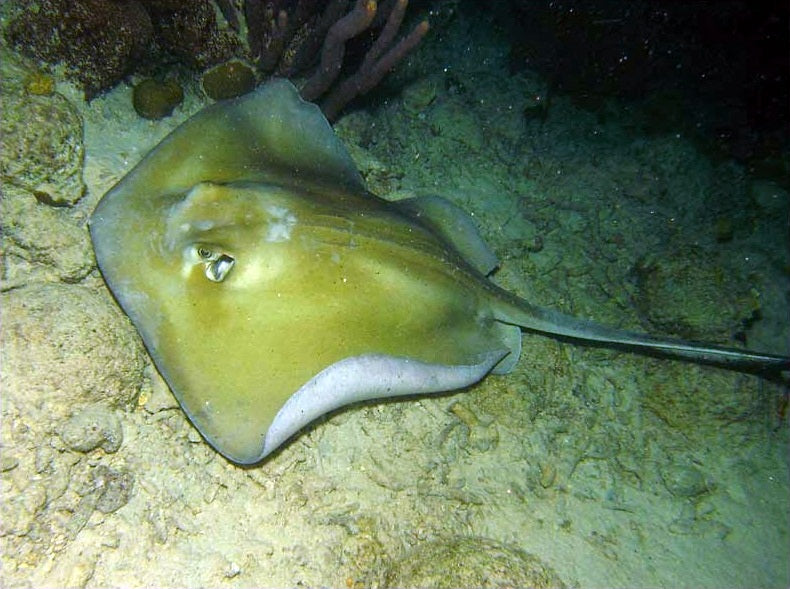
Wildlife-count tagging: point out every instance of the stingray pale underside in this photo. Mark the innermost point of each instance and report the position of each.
(270, 287)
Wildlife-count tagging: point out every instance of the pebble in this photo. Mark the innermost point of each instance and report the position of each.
(684, 480)
(93, 427)
(114, 486)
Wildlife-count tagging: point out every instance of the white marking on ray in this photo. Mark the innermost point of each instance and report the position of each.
(280, 225)
(204, 225)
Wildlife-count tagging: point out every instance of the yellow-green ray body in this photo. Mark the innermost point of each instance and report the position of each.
(322, 271)
(270, 287)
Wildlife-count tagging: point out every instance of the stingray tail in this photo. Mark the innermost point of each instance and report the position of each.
(519, 312)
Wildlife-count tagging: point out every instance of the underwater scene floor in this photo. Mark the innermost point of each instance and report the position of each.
(583, 467)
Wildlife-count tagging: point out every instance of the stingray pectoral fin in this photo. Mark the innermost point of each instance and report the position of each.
(366, 377)
(455, 226)
(513, 310)
(510, 336)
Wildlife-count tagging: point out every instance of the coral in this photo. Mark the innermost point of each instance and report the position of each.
(351, 25)
(269, 29)
(189, 30)
(287, 38)
(153, 99)
(229, 13)
(378, 60)
(228, 80)
(99, 41)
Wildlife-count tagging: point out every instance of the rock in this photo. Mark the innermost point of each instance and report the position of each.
(724, 229)
(41, 147)
(684, 480)
(99, 41)
(694, 296)
(470, 562)
(769, 197)
(114, 488)
(421, 94)
(190, 31)
(20, 511)
(91, 428)
(66, 347)
(41, 139)
(35, 235)
(69, 360)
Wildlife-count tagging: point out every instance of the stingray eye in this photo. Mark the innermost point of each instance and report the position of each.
(218, 269)
(217, 265)
(205, 254)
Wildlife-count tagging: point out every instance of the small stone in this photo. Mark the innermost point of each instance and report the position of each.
(114, 488)
(465, 414)
(8, 463)
(723, 229)
(421, 94)
(769, 197)
(232, 570)
(93, 427)
(548, 474)
(158, 396)
(684, 480)
(193, 436)
(44, 457)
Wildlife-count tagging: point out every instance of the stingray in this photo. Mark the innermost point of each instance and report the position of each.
(271, 288)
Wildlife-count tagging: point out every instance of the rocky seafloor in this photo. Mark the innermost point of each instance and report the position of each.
(584, 466)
